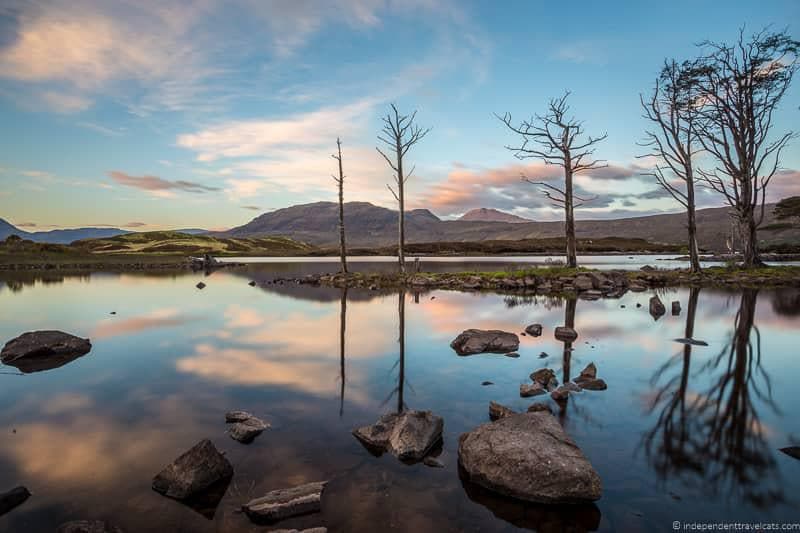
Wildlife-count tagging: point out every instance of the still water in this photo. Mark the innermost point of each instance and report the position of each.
(683, 433)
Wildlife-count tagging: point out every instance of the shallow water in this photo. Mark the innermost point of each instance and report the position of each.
(681, 434)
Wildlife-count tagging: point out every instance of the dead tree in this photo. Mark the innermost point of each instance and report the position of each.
(558, 140)
(741, 86)
(340, 182)
(672, 109)
(399, 134)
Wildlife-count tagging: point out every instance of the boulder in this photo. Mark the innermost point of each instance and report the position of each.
(534, 330)
(88, 526)
(676, 308)
(544, 376)
(35, 351)
(285, 503)
(565, 334)
(13, 498)
(526, 390)
(247, 430)
(409, 435)
(193, 472)
(474, 341)
(589, 372)
(593, 384)
(237, 416)
(657, 309)
(497, 411)
(583, 283)
(528, 456)
(561, 393)
(432, 462)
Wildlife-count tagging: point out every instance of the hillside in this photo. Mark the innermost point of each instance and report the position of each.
(175, 243)
(58, 236)
(373, 226)
(485, 214)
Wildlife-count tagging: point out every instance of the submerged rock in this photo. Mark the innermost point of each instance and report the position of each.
(498, 411)
(534, 330)
(526, 390)
(474, 341)
(13, 498)
(193, 472)
(432, 462)
(285, 503)
(593, 384)
(409, 435)
(528, 456)
(88, 526)
(565, 334)
(244, 426)
(657, 309)
(35, 351)
(539, 407)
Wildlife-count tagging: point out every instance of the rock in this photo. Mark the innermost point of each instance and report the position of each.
(474, 341)
(498, 411)
(247, 430)
(88, 526)
(565, 334)
(13, 498)
(433, 462)
(285, 503)
(591, 294)
(647, 268)
(583, 283)
(534, 330)
(310, 530)
(533, 389)
(657, 309)
(638, 305)
(791, 451)
(539, 407)
(693, 342)
(35, 351)
(512, 355)
(543, 355)
(544, 376)
(252, 283)
(528, 456)
(637, 287)
(561, 393)
(409, 435)
(237, 416)
(201, 285)
(486, 383)
(193, 472)
(593, 384)
(676, 308)
(589, 372)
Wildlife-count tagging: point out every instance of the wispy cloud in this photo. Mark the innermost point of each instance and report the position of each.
(154, 184)
(109, 132)
(251, 207)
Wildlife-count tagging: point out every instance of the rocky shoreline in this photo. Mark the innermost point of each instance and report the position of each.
(586, 284)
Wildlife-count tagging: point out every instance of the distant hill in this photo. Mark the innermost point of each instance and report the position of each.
(58, 236)
(175, 243)
(373, 226)
(486, 214)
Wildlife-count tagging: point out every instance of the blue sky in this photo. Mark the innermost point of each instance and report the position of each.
(148, 114)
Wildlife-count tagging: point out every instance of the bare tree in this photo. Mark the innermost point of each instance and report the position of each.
(672, 108)
(399, 134)
(557, 139)
(741, 86)
(340, 182)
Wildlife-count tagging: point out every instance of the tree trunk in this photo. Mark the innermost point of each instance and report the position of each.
(569, 212)
(401, 226)
(749, 236)
(342, 247)
(694, 251)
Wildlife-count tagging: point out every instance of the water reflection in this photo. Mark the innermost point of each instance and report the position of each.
(708, 433)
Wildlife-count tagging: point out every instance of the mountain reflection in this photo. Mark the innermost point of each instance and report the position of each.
(708, 434)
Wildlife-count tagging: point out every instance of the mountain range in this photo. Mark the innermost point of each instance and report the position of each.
(487, 214)
(369, 225)
(66, 236)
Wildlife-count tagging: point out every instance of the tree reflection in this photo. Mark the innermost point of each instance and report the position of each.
(342, 331)
(401, 362)
(786, 302)
(570, 305)
(713, 439)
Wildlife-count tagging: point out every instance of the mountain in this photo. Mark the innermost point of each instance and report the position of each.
(6, 229)
(59, 236)
(487, 214)
(372, 226)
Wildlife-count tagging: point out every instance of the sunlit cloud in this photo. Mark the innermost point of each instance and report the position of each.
(114, 327)
(154, 184)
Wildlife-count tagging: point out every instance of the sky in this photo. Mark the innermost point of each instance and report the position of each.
(147, 114)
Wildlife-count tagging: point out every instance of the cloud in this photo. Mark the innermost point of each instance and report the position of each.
(135, 225)
(163, 318)
(581, 52)
(251, 207)
(63, 102)
(27, 225)
(154, 184)
(108, 132)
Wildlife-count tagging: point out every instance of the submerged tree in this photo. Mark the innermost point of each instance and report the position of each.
(673, 111)
(340, 181)
(558, 139)
(740, 87)
(399, 134)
